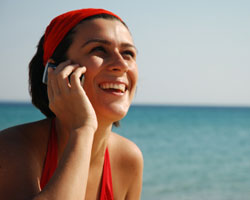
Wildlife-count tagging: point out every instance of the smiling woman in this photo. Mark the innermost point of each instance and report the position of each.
(73, 153)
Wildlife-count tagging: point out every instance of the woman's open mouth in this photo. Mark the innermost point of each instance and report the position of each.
(114, 87)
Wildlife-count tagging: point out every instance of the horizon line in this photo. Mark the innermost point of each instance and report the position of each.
(156, 104)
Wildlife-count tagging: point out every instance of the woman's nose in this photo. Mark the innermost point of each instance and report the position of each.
(118, 63)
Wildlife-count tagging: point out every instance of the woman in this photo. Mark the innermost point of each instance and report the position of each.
(73, 154)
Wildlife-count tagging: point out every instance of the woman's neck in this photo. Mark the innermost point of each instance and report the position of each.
(100, 142)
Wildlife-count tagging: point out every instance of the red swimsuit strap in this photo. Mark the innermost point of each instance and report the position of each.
(107, 188)
(51, 157)
(50, 166)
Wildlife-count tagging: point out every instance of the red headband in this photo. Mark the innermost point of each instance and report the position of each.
(62, 24)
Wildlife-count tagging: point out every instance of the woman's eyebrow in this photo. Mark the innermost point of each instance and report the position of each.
(96, 40)
(129, 45)
(106, 42)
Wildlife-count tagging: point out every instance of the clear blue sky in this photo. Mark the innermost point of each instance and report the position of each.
(190, 52)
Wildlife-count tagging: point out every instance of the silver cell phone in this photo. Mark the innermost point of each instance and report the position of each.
(45, 73)
(52, 65)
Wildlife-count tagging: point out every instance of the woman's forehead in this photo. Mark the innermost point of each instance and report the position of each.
(108, 29)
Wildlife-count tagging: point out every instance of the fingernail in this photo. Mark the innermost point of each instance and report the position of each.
(51, 60)
(50, 69)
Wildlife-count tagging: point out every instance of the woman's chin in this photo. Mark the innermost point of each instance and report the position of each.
(113, 112)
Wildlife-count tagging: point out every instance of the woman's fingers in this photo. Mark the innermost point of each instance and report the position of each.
(64, 77)
(75, 78)
(67, 98)
(61, 66)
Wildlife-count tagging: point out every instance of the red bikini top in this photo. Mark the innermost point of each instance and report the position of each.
(51, 165)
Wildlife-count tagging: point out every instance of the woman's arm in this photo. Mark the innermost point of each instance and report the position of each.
(19, 170)
(74, 111)
(70, 179)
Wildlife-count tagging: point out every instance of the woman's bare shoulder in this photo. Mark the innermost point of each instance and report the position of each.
(126, 153)
(24, 137)
(25, 132)
(22, 151)
(127, 166)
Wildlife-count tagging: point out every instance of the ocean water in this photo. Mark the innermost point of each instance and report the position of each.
(190, 153)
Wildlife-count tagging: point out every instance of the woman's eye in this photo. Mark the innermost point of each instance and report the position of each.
(129, 53)
(98, 49)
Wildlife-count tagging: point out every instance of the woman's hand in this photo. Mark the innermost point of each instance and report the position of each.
(67, 99)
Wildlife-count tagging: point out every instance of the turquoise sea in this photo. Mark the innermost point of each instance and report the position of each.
(190, 153)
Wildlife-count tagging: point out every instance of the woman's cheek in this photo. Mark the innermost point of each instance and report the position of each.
(95, 62)
(134, 73)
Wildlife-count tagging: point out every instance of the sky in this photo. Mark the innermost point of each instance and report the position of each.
(193, 52)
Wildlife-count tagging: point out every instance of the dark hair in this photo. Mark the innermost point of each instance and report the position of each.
(37, 89)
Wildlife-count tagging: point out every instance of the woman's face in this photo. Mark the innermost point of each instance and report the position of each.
(105, 47)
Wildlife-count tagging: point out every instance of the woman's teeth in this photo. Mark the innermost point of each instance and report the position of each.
(116, 86)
